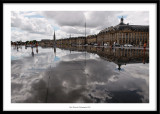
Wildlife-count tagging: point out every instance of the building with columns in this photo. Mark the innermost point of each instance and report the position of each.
(124, 34)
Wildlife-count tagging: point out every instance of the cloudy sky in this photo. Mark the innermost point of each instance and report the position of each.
(37, 25)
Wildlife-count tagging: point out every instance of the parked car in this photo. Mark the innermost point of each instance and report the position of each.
(116, 45)
(128, 45)
(105, 44)
(95, 44)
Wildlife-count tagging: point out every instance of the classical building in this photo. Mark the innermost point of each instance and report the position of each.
(46, 42)
(91, 39)
(80, 40)
(124, 34)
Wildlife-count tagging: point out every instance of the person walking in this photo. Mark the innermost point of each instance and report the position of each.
(144, 46)
(31, 46)
(37, 44)
(37, 47)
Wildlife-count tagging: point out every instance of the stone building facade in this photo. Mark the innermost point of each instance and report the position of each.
(121, 34)
(91, 39)
(124, 34)
(46, 42)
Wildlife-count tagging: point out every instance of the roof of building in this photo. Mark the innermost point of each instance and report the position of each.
(45, 39)
(123, 26)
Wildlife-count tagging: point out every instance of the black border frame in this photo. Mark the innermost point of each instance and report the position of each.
(157, 2)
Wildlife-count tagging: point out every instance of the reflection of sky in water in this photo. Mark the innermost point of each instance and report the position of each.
(70, 77)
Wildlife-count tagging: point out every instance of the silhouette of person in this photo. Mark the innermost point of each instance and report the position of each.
(32, 46)
(32, 54)
(37, 44)
(32, 51)
(144, 56)
(37, 49)
(145, 45)
(17, 48)
(25, 45)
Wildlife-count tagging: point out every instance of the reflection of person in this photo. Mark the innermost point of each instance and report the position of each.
(25, 45)
(17, 48)
(32, 53)
(32, 46)
(37, 49)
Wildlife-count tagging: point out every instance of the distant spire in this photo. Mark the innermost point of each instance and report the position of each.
(85, 28)
(85, 32)
(54, 39)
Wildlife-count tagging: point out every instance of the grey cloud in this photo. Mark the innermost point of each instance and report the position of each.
(73, 22)
(73, 80)
(75, 30)
(77, 18)
(66, 18)
(102, 19)
(31, 25)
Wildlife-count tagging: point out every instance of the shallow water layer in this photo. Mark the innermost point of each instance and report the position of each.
(79, 74)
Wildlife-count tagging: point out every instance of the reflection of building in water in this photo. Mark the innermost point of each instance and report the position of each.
(117, 55)
(125, 56)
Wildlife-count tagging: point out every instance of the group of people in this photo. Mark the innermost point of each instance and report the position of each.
(32, 48)
(17, 46)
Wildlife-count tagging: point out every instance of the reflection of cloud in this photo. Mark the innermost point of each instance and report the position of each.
(76, 79)
(136, 71)
(99, 71)
(15, 87)
(62, 87)
(56, 58)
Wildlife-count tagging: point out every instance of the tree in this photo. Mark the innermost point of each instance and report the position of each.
(34, 41)
(27, 42)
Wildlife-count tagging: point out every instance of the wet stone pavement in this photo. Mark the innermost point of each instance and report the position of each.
(79, 75)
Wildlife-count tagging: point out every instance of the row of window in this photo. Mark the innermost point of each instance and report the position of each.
(123, 35)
